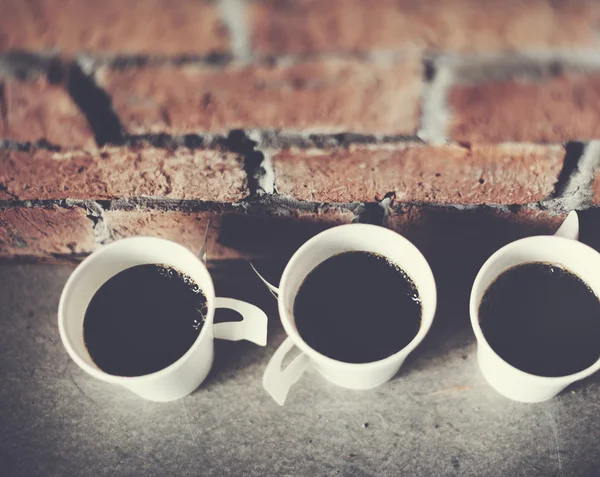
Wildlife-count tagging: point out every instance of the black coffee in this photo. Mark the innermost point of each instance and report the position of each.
(542, 319)
(143, 319)
(357, 307)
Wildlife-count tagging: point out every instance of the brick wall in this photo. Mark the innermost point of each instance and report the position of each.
(461, 124)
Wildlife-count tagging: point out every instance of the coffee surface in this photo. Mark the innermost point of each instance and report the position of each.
(357, 307)
(143, 319)
(542, 319)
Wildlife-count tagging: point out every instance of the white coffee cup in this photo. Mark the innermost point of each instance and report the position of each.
(345, 238)
(185, 374)
(562, 249)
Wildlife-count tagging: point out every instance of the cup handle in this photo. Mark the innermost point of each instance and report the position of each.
(253, 326)
(276, 381)
(272, 288)
(570, 227)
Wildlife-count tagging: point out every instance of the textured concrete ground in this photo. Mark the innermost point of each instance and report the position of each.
(437, 417)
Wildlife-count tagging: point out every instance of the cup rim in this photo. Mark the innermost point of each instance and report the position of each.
(67, 289)
(320, 357)
(474, 307)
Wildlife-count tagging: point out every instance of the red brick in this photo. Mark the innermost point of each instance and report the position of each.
(326, 96)
(596, 188)
(4, 195)
(154, 27)
(456, 243)
(310, 26)
(453, 239)
(41, 231)
(554, 109)
(186, 228)
(38, 110)
(430, 226)
(120, 172)
(232, 235)
(505, 174)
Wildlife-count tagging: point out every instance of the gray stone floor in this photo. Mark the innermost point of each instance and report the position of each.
(437, 417)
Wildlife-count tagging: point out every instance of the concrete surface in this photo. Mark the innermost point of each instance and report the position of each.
(437, 417)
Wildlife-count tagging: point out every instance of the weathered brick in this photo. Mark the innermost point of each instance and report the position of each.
(325, 96)
(310, 26)
(154, 27)
(453, 239)
(121, 172)
(505, 174)
(186, 228)
(596, 188)
(231, 235)
(456, 243)
(37, 110)
(553, 109)
(45, 231)
(277, 236)
(440, 229)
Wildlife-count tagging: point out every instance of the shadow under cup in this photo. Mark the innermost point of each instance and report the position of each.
(577, 258)
(357, 238)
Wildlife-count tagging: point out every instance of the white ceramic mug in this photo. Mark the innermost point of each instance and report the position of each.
(562, 249)
(185, 374)
(345, 238)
